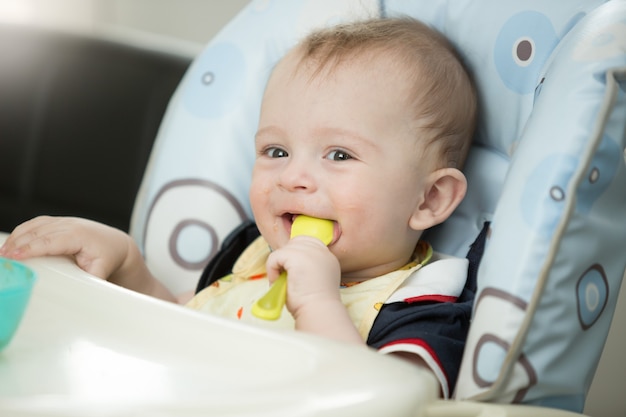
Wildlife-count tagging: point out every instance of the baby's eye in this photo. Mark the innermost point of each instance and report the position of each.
(274, 152)
(338, 155)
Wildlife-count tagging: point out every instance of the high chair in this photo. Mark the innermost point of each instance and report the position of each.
(547, 170)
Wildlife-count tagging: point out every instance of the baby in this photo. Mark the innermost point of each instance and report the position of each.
(366, 124)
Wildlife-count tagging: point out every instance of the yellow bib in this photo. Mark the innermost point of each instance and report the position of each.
(234, 295)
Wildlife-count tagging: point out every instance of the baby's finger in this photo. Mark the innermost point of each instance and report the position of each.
(27, 230)
(273, 267)
(40, 241)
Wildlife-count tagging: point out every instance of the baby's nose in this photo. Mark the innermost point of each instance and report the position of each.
(297, 176)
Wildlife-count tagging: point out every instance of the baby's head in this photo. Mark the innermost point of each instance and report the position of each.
(440, 91)
(365, 124)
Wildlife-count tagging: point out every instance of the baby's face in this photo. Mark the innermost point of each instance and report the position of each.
(340, 146)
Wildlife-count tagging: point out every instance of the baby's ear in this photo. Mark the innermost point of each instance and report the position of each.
(444, 189)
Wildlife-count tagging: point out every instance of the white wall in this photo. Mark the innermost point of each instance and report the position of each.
(189, 20)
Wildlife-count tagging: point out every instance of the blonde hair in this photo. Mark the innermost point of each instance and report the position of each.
(442, 92)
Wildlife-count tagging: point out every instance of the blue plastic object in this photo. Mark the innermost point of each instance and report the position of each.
(16, 284)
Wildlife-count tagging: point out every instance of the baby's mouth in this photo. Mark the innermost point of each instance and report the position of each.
(288, 219)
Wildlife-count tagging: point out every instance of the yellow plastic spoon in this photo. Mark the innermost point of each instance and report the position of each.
(270, 306)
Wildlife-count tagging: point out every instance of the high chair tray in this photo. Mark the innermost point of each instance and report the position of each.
(87, 347)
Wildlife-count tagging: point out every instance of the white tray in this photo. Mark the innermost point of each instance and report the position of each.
(87, 347)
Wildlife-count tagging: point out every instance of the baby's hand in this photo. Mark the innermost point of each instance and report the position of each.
(98, 249)
(313, 273)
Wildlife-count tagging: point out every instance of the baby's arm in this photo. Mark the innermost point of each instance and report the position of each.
(313, 296)
(313, 281)
(101, 250)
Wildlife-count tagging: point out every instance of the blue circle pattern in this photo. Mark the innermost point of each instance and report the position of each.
(531, 32)
(593, 294)
(543, 201)
(215, 81)
(600, 174)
